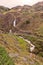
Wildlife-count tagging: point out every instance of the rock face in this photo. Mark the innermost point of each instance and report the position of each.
(38, 6)
(6, 22)
(28, 18)
(22, 8)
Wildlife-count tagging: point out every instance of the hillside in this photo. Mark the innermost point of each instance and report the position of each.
(4, 58)
(18, 50)
(21, 27)
(3, 9)
(28, 18)
(38, 6)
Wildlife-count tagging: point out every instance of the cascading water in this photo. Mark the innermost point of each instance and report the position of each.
(14, 23)
(10, 31)
(32, 47)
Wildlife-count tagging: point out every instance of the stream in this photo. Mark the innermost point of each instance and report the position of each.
(32, 47)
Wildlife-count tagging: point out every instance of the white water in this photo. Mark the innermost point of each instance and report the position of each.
(14, 23)
(32, 47)
(10, 31)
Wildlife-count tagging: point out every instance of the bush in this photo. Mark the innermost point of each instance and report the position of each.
(27, 22)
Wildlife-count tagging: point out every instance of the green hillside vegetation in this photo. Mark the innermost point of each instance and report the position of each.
(29, 25)
(38, 42)
(18, 50)
(4, 58)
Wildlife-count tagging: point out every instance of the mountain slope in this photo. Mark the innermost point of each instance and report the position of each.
(18, 50)
(38, 6)
(28, 18)
(3, 9)
(29, 25)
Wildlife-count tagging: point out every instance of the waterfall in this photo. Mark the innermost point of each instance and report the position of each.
(14, 23)
(10, 31)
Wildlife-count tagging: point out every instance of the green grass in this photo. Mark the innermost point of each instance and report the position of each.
(38, 42)
(15, 44)
(4, 58)
(22, 43)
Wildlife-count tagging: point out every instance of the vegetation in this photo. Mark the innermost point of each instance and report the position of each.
(4, 58)
(29, 24)
(15, 45)
(38, 42)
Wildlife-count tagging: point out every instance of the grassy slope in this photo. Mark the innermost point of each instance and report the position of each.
(4, 58)
(38, 42)
(19, 48)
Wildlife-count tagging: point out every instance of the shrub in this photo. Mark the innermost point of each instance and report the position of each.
(27, 22)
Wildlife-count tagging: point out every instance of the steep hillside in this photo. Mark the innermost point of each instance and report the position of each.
(18, 50)
(38, 6)
(4, 58)
(3, 9)
(28, 18)
(16, 38)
